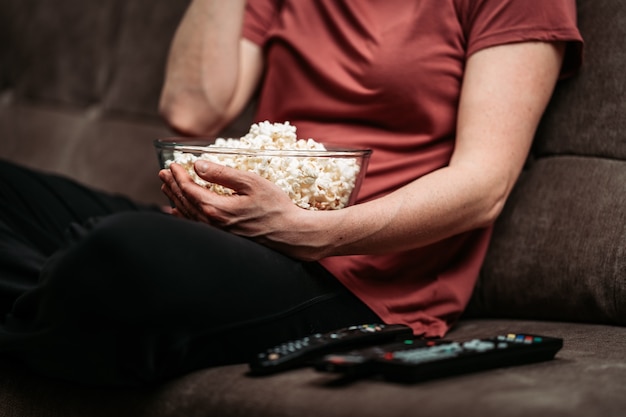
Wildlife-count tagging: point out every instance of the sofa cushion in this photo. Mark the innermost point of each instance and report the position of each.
(587, 115)
(114, 154)
(559, 248)
(110, 52)
(583, 380)
(82, 83)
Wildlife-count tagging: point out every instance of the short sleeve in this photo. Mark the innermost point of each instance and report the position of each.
(259, 18)
(494, 22)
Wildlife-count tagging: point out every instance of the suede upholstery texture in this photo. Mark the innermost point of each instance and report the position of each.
(559, 249)
(79, 87)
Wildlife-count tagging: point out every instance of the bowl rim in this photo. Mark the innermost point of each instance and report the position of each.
(332, 150)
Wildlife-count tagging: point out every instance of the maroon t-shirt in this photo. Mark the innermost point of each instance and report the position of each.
(386, 75)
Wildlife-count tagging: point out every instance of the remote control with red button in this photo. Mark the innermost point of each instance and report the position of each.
(417, 360)
(296, 353)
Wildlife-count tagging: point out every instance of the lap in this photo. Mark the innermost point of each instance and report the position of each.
(153, 296)
(161, 262)
(37, 214)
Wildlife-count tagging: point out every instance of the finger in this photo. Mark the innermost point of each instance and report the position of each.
(175, 187)
(179, 209)
(166, 177)
(170, 188)
(235, 179)
(177, 213)
(170, 195)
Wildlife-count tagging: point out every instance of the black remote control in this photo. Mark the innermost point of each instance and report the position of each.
(362, 362)
(296, 353)
(405, 362)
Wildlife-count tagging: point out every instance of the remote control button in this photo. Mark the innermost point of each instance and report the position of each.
(426, 354)
(478, 345)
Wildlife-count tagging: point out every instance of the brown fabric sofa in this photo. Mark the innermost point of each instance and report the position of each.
(79, 84)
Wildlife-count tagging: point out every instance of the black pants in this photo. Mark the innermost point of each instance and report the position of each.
(97, 289)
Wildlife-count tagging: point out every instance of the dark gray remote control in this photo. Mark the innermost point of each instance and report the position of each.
(296, 353)
(431, 359)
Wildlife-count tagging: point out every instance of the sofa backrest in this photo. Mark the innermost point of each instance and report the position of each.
(559, 247)
(79, 86)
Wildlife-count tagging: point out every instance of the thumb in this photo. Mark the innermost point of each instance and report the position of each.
(220, 174)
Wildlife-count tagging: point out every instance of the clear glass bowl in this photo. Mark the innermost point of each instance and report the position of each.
(314, 179)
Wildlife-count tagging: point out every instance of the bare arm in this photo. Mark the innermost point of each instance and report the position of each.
(211, 71)
(505, 92)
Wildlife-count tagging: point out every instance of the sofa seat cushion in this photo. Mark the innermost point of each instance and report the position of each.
(585, 379)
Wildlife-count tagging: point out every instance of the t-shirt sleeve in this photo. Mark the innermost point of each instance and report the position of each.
(258, 19)
(496, 22)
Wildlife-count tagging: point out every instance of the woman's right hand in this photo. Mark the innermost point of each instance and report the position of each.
(257, 210)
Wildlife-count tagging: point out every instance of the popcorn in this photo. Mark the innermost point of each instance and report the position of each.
(311, 182)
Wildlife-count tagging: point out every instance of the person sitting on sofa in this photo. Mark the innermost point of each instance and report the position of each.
(448, 94)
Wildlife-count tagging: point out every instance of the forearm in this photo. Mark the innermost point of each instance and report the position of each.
(203, 66)
(442, 204)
